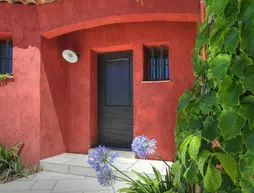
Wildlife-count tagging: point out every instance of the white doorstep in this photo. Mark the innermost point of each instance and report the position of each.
(76, 164)
(123, 154)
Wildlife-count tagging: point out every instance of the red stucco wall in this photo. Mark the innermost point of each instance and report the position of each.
(75, 15)
(54, 95)
(154, 103)
(20, 98)
(33, 106)
(52, 105)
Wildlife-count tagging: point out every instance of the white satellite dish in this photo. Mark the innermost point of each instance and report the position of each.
(70, 56)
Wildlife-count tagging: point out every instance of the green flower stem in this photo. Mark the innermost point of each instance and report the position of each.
(123, 178)
(127, 176)
(207, 140)
(121, 172)
(162, 159)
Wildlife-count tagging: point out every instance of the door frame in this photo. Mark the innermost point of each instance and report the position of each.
(114, 55)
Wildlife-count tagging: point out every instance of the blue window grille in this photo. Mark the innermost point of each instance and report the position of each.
(6, 57)
(158, 67)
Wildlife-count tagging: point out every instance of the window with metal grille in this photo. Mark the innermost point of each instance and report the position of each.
(158, 63)
(5, 57)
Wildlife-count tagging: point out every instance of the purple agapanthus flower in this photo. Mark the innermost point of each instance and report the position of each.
(105, 176)
(143, 146)
(101, 156)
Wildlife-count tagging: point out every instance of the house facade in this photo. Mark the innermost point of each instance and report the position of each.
(134, 63)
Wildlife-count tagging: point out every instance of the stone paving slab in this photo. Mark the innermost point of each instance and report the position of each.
(44, 184)
(49, 182)
(43, 175)
(16, 185)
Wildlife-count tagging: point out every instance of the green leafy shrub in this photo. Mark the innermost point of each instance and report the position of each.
(215, 119)
(146, 184)
(11, 166)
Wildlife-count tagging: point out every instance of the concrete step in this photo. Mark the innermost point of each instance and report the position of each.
(76, 164)
(121, 153)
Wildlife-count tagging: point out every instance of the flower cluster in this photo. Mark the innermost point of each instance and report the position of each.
(143, 146)
(106, 176)
(100, 160)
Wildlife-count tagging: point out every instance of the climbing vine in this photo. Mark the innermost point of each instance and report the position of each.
(215, 119)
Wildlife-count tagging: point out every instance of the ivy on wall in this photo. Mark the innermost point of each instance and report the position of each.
(215, 119)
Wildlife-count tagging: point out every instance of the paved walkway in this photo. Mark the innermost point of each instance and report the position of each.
(70, 173)
(49, 182)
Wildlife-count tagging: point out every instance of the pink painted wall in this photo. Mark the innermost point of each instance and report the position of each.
(154, 103)
(20, 98)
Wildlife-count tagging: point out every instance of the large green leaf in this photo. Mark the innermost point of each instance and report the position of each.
(232, 39)
(184, 100)
(246, 186)
(248, 15)
(210, 130)
(208, 10)
(239, 63)
(231, 123)
(248, 40)
(195, 123)
(219, 67)
(219, 6)
(198, 65)
(237, 190)
(194, 146)
(203, 157)
(176, 171)
(227, 183)
(229, 92)
(192, 107)
(200, 41)
(183, 148)
(212, 180)
(248, 174)
(247, 109)
(205, 109)
(249, 78)
(247, 171)
(209, 99)
(234, 146)
(216, 41)
(247, 161)
(191, 173)
(231, 12)
(220, 22)
(249, 138)
(229, 164)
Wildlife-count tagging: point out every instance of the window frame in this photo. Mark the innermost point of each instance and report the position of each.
(159, 54)
(6, 58)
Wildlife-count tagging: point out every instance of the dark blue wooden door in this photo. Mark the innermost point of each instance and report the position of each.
(115, 99)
